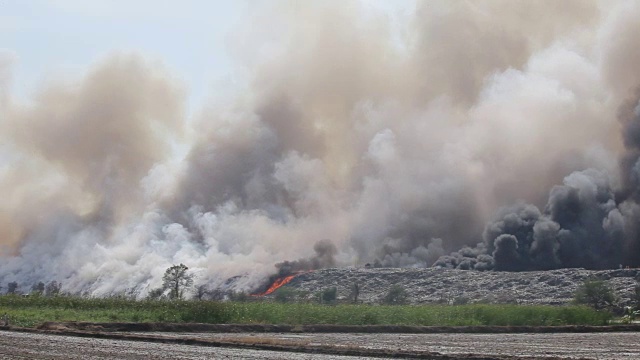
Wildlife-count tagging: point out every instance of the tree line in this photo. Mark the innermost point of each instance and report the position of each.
(175, 282)
(52, 288)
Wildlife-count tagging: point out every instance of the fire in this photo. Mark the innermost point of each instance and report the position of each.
(278, 283)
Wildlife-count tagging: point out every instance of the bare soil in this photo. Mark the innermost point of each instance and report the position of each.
(41, 346)
(603, 346)
(131, 341)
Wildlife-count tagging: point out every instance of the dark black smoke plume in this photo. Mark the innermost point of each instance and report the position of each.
(584, 224)
(325, 252)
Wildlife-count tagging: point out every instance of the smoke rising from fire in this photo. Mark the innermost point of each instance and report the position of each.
(503, 133)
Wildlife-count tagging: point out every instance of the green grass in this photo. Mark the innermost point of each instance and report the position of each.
(32, 311)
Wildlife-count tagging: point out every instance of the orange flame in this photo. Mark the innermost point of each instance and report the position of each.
(278, 283)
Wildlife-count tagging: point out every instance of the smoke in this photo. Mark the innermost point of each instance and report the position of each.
(325, 252)
(400, 138)
(580, 226)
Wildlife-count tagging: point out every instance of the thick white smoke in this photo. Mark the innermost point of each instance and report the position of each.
(396, 139)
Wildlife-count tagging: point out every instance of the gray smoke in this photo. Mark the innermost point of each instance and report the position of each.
(325, 252)
(398, 137)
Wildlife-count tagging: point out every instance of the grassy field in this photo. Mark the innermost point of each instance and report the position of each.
(34, 310)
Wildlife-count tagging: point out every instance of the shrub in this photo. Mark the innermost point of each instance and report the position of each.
(397, 295)
(12, 287)
(329, 295)
(594, 293)
(461, 300)
(38, 288)
(285, 295)
(52, 289)
(155, 294)
(355, 292)
(239, 296)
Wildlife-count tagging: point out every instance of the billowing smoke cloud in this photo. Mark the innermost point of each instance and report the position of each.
(581, 226)
(325, 252)
(400, 138)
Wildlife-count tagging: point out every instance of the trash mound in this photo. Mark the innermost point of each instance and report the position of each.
(448, 286)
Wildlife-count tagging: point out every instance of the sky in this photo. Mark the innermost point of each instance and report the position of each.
(193, 39)
(55, 38)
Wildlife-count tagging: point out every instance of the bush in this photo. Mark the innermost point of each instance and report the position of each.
(155, 294)
(12, 287)
(285, 295)
(38, 288)
(594, 293)
(239, 296)
(397, 295)
(355, 292)
(329, 295)
(52, 289)
(461, 300)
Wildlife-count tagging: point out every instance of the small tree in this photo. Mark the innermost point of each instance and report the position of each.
(202, 292)
(238, 296)
(216, 295)
(460, 300)
(177, 280)
(38, 288)
(285, 294)
(12, 287)
(594, 293)
(355, 292)
(52, 288)
(329, 295)
(397, 295)
(155, 294)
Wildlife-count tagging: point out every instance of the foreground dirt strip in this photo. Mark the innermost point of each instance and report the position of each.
(283, 347)
(392, 329)
(22, 345)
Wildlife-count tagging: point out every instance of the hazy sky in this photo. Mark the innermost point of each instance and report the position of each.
(59, 37)
(192, 38)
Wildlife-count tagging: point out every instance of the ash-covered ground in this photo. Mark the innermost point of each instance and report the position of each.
(435, 285)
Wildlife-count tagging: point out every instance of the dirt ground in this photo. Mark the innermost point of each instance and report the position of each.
(19, 346)
(603, 346)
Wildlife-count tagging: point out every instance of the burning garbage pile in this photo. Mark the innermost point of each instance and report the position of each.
(278, 283)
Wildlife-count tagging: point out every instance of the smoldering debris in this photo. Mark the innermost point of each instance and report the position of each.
(456, 128)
